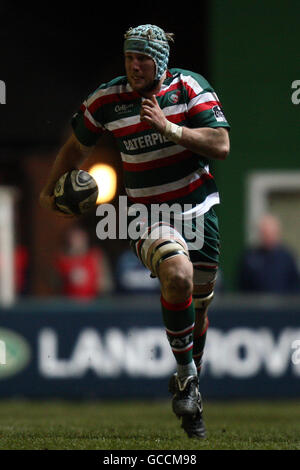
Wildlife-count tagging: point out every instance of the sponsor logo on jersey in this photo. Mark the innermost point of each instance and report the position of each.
(123, 108)
(145, 141)
(219, 115)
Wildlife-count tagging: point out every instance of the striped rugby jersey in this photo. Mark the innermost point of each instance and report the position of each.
(156, 170)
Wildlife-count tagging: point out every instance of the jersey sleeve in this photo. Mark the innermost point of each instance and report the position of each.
(87, 123)
(204, 108)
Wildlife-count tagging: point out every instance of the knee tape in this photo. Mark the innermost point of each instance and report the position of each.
(165, 250)
(202, 301)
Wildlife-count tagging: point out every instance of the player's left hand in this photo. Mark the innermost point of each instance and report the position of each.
(153, 114)
(47, 201)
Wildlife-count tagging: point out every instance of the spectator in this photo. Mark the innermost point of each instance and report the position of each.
(269, 267)
(21, 264)
(83, 270)
(21, 270)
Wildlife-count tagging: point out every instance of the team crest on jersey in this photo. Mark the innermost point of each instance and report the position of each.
(174, 97)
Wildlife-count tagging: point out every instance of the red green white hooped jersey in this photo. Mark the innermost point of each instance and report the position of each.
(156, 170)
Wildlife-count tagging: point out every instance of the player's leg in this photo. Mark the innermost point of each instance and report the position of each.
(204, 282)
(176, 278)
(165, 253)
(203, 293)
(167, 258)
(205, 262)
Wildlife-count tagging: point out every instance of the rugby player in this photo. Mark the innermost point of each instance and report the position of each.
(168, 124)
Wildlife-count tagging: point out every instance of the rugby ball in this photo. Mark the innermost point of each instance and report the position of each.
(76, 192)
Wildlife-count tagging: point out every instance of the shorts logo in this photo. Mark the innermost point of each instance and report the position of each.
(174, 97)
(219, 115)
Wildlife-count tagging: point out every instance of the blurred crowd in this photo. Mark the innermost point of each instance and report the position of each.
(83, 270)
(270, 266)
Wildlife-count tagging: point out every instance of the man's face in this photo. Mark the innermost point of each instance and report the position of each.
(140, 71)
(269, 230)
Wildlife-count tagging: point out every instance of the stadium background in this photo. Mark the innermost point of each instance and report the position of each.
(49, 63)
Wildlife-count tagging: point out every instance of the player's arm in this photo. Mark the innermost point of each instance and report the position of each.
(71, 156)
(206, 141)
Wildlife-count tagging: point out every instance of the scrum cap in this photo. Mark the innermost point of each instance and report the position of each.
(152, 41)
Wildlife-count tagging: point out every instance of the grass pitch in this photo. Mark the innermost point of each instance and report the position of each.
(32, 425)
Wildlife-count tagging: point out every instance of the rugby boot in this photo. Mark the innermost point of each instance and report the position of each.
(185, 395)
(192, 423)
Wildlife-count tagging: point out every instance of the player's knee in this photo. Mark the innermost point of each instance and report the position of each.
(165, 255)
(177, 284)
(203, 294)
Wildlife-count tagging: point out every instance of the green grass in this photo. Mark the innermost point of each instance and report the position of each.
(146, 425)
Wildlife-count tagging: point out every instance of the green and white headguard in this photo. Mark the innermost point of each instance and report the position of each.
(150, 40)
